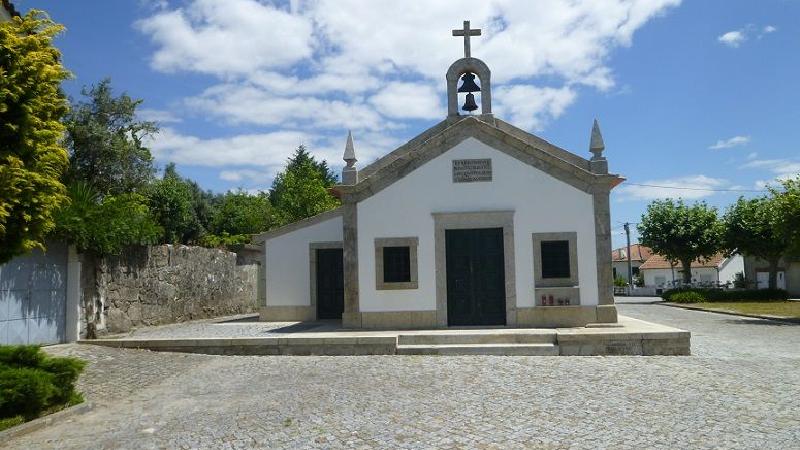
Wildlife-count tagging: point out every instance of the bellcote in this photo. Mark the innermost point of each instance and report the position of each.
(466, 69)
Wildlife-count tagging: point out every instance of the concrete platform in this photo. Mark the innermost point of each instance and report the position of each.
(628, 337)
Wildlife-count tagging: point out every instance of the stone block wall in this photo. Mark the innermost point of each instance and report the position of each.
(164, 284)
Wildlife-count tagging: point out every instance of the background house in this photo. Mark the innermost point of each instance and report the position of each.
(757, 273)
(658, 272)
(619, 260)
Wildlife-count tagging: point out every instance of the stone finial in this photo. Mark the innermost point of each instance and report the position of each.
(598, 163)
(596, 145)
(349, 173)
(349, 151)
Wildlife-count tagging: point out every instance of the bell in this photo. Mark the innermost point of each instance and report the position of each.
(468, 83)
(470, 104)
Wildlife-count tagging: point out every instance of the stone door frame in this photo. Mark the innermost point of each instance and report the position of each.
(312, 259)
(467, 220)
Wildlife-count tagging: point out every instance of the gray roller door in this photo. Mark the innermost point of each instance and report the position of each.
(33, 293)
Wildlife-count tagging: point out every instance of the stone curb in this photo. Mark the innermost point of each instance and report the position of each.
(46, 421)
(731, 313)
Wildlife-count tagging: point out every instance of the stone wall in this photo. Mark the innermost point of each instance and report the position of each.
(164, 284)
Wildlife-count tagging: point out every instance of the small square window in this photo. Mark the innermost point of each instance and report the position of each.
(555, 259)
(396, 264)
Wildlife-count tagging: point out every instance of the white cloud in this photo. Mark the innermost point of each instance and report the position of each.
(230, 37)
(736, 141)
(781, 169)
(690, 187)
(157, 115)
(733, 38)
(247, 176)
(248, 104)
(531, 107)
(736, 38)
(253, 160)
(329, 64)
(260, 150)
(408, 101)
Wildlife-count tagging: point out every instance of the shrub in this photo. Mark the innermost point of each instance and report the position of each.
(733, 295)
(32, 382)
(25, 391)
(65, 373)
(620, 282)
(21, 355)
(688, 297)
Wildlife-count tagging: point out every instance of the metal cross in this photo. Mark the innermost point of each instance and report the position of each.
(466, 32)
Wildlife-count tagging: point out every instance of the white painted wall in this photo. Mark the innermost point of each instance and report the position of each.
(541, 204)
(287, 265)
(654, 277)
(699, 275)
(622, 268)
(729, 268)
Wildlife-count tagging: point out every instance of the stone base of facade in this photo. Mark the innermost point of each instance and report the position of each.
(287, 313)
(390, 320)
(535, 317)
(565, 316)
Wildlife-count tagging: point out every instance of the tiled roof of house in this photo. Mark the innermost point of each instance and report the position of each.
(638, 253)
(659, 262)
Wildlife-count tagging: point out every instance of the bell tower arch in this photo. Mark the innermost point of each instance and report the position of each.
(469, 65)
(479, 69)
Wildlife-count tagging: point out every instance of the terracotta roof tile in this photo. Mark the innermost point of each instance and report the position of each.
(659, 262)
(638, 253)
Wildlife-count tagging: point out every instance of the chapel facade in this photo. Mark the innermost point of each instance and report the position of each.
(473, 222)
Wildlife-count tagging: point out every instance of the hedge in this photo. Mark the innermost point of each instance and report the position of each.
(32, 383)
(720, 295)
(687, 297)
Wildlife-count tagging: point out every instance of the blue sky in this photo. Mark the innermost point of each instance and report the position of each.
(691, 94)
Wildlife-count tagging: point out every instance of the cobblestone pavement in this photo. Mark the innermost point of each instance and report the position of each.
(721, 335)
(233, 326)
(740, 391)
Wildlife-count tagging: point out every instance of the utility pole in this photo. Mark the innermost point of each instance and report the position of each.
(627, 227)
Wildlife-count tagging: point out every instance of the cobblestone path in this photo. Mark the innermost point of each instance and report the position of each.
(739, 391)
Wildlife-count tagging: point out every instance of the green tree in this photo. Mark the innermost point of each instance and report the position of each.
(240, 213)
(171, 202)
(32, 158)
(681, 233)
(787, 205)
(105, 225)
(106, 142)
(753, 228)
(302, 189)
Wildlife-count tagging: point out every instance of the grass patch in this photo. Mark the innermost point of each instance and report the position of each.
(784, 309)
(11, 422)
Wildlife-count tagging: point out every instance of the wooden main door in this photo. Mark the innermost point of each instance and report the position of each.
(476, 293)
(330, 283)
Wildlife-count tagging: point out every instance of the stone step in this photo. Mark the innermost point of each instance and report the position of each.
(494, 337)
(480, 349)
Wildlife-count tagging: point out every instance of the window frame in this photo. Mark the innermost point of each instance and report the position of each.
(380, 243)
(572, 239)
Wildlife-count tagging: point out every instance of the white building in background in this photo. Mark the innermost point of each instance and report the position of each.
(718, 270)
(619, 260)
(472, 222)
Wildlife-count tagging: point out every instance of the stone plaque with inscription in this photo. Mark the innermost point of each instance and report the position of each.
(472, 170)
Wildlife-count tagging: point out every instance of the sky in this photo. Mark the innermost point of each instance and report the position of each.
(698, 97)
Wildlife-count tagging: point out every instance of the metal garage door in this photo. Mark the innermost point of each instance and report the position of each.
(33, 292)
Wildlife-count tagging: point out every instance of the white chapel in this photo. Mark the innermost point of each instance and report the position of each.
(473, 222)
